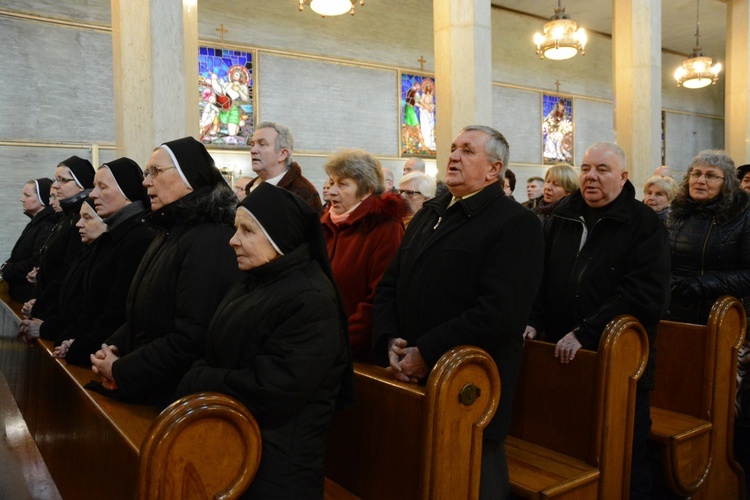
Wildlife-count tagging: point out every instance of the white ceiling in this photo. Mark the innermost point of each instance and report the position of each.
(677, 26)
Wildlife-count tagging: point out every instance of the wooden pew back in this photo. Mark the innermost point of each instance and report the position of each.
(584, 409)
(406, 441)
(696, 372)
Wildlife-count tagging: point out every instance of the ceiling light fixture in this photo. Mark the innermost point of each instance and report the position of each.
(697, 71)
(330, 7)
(562, 38)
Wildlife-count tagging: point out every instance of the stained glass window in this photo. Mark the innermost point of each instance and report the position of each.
(225, 96)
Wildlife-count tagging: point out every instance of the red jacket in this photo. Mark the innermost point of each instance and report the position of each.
(361, 248)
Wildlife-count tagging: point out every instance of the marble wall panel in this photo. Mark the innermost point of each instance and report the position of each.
(516, 113)
(686, 135)
(330, 106)
(58, 81)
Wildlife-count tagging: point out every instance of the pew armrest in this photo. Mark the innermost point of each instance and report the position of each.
(205, 445)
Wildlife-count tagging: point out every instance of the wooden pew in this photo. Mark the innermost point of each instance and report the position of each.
(407, 441)
(571, 433)
(94, 444)
(692, 405)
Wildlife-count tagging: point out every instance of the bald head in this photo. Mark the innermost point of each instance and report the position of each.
(414, 165)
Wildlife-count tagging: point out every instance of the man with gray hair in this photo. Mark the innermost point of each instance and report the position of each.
(606, 254)
(414, 165)
(271, 151)
(479, 254)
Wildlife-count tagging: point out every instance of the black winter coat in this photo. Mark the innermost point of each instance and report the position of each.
(620, 266)
(115, 257)
(26, 254)
(710, 245)
(464, 275)
(181, 279)
(277, 343)
(61, 249)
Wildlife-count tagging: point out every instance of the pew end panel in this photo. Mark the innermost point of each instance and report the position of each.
(205, 445)
(572, 428)
(693, 402)
(407, 441)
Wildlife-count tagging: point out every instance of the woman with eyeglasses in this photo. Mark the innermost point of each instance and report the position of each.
(416, 188)
(181, 279)
(363, 230)
(709, 232)
(74, 178)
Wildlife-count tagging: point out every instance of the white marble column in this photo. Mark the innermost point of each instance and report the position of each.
(155, 54)
(636, 73)
(737, 85)
(463, 70)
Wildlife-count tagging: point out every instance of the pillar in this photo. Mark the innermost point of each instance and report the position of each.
(155, 85)
(636, 74)
(463, 70)
(737, 84)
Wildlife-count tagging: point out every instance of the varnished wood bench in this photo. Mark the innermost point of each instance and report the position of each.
(571, 432)
(407, 441)
(95, 446)
(692, 405)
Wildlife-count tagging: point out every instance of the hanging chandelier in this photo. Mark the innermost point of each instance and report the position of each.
(330, 7)
(698, 70)
(562, 38)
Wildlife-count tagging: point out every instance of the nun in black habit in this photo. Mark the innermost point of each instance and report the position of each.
(74, 179)
(121, 200)
(185, 272)
(278, 341)
(27, 250)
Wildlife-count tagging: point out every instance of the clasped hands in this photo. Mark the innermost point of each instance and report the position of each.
(101, 364)
(406, 363)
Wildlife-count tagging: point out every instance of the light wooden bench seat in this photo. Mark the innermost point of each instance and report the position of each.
(407, 441)
(692, 405)
(572, 427)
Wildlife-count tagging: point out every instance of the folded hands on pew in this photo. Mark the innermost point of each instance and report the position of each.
(61, 350)
(101, 364)
(406, 363)
(29, 330)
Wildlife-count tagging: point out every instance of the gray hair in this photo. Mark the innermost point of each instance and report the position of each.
(418, 163)
(361, 167)
(666, 184)
(425, 184)
(617, 150)
(496, 147)
(387, 174)
(284, 139)
(714, 158)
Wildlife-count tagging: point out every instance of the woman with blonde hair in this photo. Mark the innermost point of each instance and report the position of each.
(560, 182)
(658, 193)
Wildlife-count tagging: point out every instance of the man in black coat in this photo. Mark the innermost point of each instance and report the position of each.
(467, 272)
(27, 250)
(606, 254)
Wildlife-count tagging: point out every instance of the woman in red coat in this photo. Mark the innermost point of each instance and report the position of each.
(363, 230)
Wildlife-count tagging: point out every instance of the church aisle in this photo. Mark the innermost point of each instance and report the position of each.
(23, 473)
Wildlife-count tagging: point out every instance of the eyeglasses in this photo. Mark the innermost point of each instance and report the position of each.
(710, 176)
(154, 171)
(63, 180)
(408, 192)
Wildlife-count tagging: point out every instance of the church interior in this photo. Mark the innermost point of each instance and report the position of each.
(103, 79)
